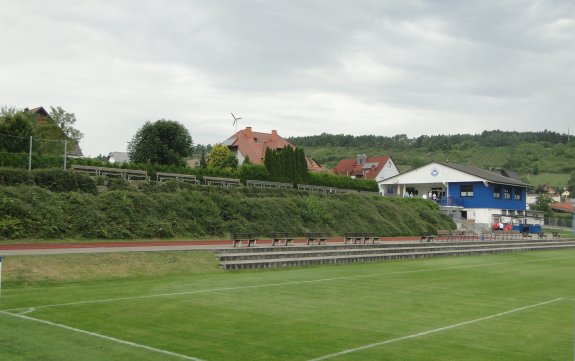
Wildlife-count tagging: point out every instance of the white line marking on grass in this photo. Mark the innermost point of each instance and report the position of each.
(26, 311)
(184, 293)
(117, 340)
(441, 329)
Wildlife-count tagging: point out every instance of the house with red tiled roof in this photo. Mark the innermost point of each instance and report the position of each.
(565, 207)
(249, 144)
(378, 168)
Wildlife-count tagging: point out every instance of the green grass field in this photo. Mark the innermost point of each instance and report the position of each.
(499, 307)
(552, 179)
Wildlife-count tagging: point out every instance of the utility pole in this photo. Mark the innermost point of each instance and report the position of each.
(65, 152)
(30, 156)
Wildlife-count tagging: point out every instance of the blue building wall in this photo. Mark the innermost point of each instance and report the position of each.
(483, 196)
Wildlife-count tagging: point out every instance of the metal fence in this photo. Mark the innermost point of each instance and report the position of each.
(559, 222)
(32, 152)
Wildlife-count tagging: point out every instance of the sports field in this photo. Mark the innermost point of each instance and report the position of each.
(498, 307)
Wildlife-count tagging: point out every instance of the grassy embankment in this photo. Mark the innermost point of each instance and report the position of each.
(184, 211)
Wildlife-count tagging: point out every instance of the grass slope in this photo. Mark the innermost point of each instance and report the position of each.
(307, 313)
(167, 211)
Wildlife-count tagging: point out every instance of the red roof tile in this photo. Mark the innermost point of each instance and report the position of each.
(254, 144)
(563, 207)
(368, 170)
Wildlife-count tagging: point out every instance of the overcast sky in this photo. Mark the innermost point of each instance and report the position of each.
(302, 67)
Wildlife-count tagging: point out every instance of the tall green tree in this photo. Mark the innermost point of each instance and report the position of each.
(165, 142)
(203, 162)
(286, 164)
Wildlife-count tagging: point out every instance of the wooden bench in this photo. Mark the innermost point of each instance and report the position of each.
(224, 182)
(353, 238)
(309, 187)
(89, 169)
(127, 174)
(315, 237)
(191, 178)
(370, 237)
(238, 238)
(362, 238)
(343, 191)
(266, 184)
(444, 233)
(285, 237)
(427, 238)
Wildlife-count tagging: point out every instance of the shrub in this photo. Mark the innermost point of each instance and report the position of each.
(56, 180)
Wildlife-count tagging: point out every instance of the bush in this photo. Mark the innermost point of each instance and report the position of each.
(336, 181)
(56, 180)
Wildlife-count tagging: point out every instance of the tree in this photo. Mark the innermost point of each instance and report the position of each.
(286, 164)
(221, 157)
(66, 122)
(165, 142)
(15, 132)
(542, 203)
(203, 162)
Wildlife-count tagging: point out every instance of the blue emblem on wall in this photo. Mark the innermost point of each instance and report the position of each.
(434, 172)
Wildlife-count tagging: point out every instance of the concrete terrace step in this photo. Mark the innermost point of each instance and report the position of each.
(346, 254)
(341, 245)
(345, 251)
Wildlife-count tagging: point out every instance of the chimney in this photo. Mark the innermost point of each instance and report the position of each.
(274, 135)
(248, 131)
(361, 159)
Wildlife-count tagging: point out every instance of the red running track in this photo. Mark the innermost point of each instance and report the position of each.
(217, 242)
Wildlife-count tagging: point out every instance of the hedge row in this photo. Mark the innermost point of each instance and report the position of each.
(166, 211)
(56, 180)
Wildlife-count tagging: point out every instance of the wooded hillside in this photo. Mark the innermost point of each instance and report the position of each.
(525, 152)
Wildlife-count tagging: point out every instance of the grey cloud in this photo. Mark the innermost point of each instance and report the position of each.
(304, 66)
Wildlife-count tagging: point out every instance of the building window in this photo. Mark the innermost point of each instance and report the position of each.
(497, 192)
(507, 192)
(466, 190)
(517, 194)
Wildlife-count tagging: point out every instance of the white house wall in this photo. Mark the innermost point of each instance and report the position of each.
(482, 215)
(432, 173)
(240, 157)
(389, 170)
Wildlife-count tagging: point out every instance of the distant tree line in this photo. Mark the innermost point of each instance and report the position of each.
(488, 138)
